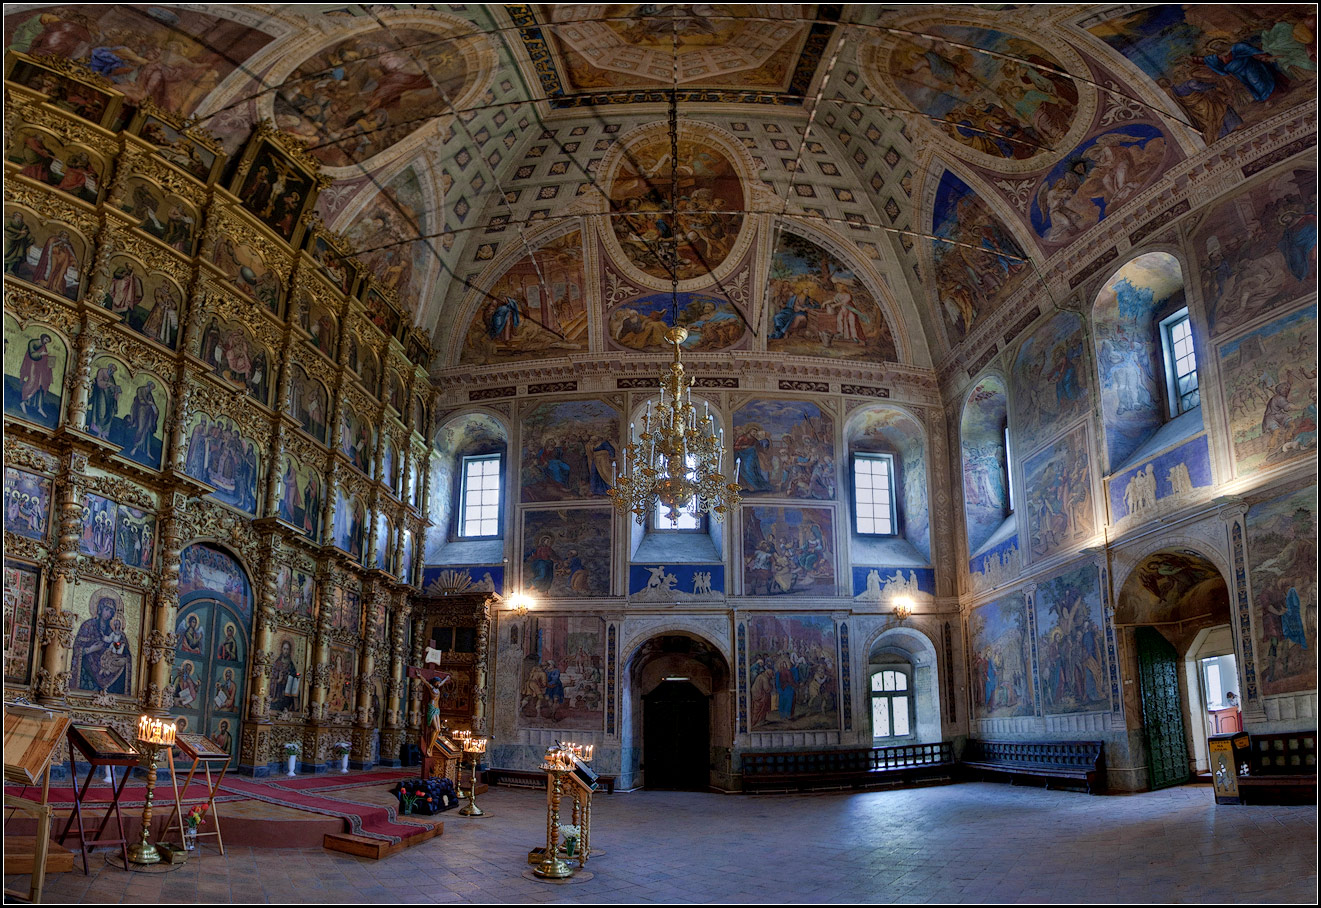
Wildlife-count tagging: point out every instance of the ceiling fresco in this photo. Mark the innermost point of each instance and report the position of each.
(506, 171)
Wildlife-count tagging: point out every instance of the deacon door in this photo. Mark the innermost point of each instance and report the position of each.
(676, 737)
(210, 669)
(1162, 709)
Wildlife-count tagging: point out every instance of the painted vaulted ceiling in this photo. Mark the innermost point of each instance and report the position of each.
(859, 182)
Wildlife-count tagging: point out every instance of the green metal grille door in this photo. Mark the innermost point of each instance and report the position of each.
(1162, 712)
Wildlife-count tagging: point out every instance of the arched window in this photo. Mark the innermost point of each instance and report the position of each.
(984, 438)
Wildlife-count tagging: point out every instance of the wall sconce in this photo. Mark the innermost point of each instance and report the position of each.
(519, 604)
(902, 606)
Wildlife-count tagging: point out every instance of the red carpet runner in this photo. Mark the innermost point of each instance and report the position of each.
(363, 819)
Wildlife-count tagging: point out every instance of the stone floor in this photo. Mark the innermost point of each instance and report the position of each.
(976, 842)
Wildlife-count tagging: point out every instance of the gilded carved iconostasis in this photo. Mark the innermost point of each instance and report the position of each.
(274, 274)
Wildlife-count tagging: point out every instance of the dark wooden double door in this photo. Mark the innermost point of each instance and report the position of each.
(676, 737)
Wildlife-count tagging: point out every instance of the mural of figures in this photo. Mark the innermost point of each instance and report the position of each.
(27, 503)
(1257, 251)
(1128, 351)
(349, 525)
(438, 581)
(1001, 658)
(339, 680)
(568, 449)
(368, 370)
(296, 592)
(301, 495)
(187, 684)
(390, 474)
(308, 402)
(784, 449)
(284, 690)
(1218, 63)
(788, 551)
(106, 642)
(713, 323)
(334, 266)
(98, 536)
(22, 587)
(35, 358)
(147, 54)
(1179, 471)
(384, 537)
(321, 325)
(885, 430)
(818, 306)
(1071, 643)
(537, 307)
(566, 554)
(44, 158)
(220, 456)
(347, 613)
(206, 569)
(561, 684)
(177, 148)
(276, 191)
(238, 358)
(1268, 379)
(1007, 103)
(47, 254)
(128, 410)
(985, 492)
(366, 93)
(1169, 585)
(793, 673)
(169, 218)
(389, 229)
(357, 439)
(1282, 551)
(978, 263)
(1050, 381)
(1058, 494)
(405, 569)
(1097, 178)
(996, 566)
(700, 233)
(675, 583)
(383, 314)
(150, 305)
(248, 271)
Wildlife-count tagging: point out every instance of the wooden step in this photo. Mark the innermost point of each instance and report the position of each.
(366, 847)
(21, 849)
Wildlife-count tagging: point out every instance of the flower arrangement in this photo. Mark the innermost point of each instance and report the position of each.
(426, 796)
(196, 817)
(570, 836)
(340, 748)
(292, 749)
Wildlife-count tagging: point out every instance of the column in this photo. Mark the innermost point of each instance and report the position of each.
(158, 697)
(55, 626)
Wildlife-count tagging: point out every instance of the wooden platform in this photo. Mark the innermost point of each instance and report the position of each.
(365, 847)
(20, 850)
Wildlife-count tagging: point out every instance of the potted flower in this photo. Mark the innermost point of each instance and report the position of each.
(341, 750)
(192, 820)
(291, 750)
(570, 835)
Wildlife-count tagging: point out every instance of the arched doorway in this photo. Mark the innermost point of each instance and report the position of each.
(904, 688)
(1172, 612)
(211, 658)
(678, 714)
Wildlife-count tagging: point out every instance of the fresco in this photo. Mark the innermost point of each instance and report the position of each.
(146, 51)
(105, 645)
(45, 253)
(178, 148)
(22, 591)
(1128, 349)
(1270, 395)
(220, 456)
(713, 323)
(308, 402)
(995, 566)
(788, 552)
(1169, 585)
(339, 680)
(167, 217)
(135, 537)
(568, 449)
(1094, 180)
(536, 308)
(1050, 381)
(27, 503)
(205, 569)
(981, 433)
(561, 678)
(1257, 251)
(1226, 67)
(381, 313)
(1282, 551)
(1058, 493)
(301, 494)
(976, 259)
(41, 156)
(364, 94)
(566, 554)
(1176, 472)
(248, 271)
(1000, 640)
(784, 449)
(1071, 643)
(881, 584)
(390, 228)
(295, 592)
(818, 306)
(675, 583)
(151, 304)
(438, 580)
(1008, 103)
(700, 233)
(97, 539)
(76, 96)
(793, 673)
(882, 430)
(128, 410)
(349, 525)
(236, 356)
(35, 357)
(357, 439)
(285, 689)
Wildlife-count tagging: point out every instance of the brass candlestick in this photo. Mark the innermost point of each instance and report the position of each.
(473, 747)
(552, 867)
(153, 734)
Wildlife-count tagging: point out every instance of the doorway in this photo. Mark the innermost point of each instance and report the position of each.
(676, 736)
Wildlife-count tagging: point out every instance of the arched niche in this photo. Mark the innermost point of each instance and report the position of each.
(913, 652)
(471, 434)
(886, 429)
(985, 461)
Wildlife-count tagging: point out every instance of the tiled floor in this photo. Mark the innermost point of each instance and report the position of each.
(975, 842)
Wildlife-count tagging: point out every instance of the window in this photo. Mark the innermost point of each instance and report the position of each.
(873, 494)
(479, 511)
(690, 520)
(891, 704)
(1180, 363)
(1009, 474)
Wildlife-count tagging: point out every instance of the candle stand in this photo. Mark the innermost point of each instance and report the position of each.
(153, 734)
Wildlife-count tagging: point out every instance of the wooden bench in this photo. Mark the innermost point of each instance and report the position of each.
(528, 778)
(1080, 761)
(853, 768)
(1281, 769)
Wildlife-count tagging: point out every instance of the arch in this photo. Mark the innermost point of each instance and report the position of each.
(1053, 352)
(984, 457)
(897, 430)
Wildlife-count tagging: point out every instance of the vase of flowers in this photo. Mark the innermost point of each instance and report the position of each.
(291, 750)
(193, 820)
(569, 839)
(341, 750)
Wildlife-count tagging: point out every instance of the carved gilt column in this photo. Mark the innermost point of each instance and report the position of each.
(55, 627)
(158, 699)
(392, 735)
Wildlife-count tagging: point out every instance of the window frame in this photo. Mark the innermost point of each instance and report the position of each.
(1174, 400)
(908, 694)
(1010, 498)
(853, 483)
(656, 523)
(461, 506)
